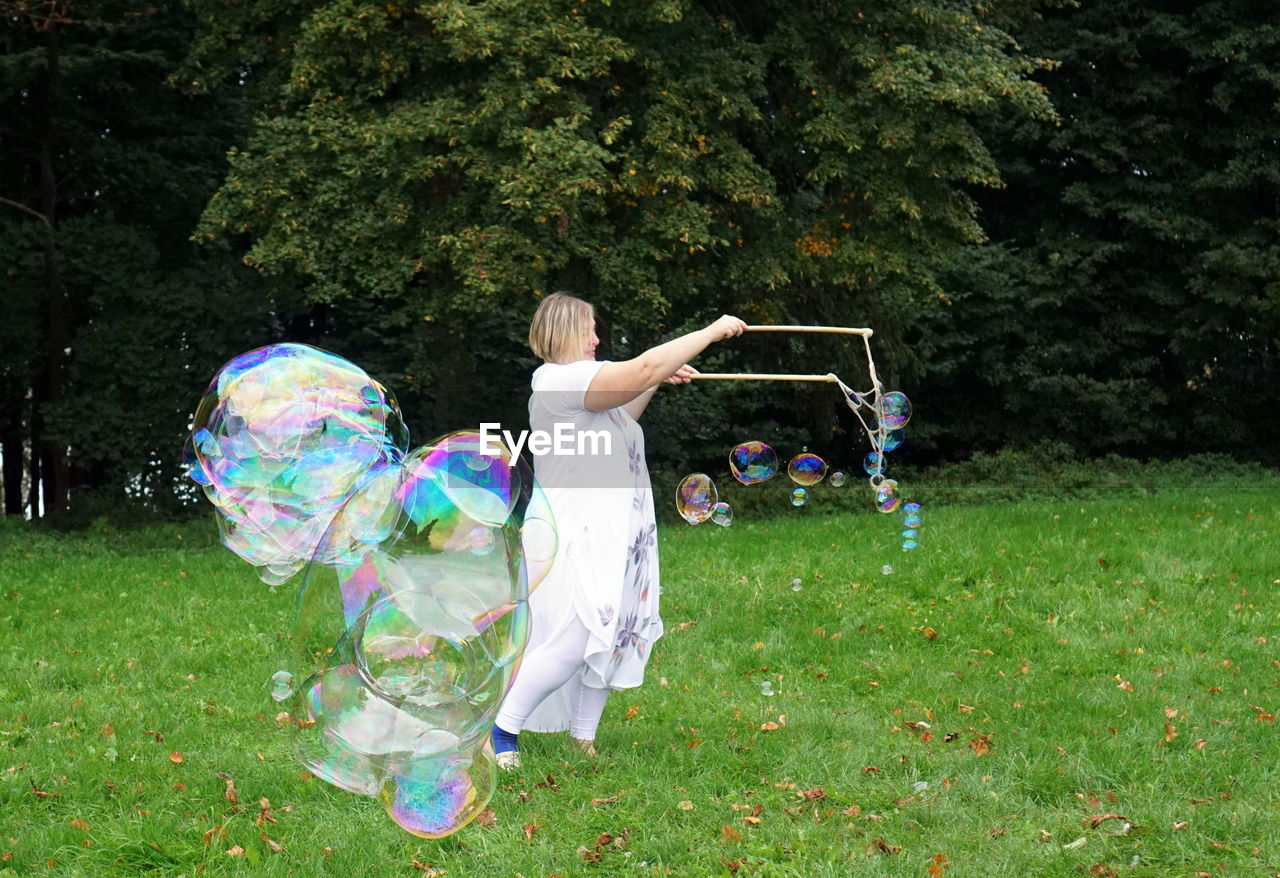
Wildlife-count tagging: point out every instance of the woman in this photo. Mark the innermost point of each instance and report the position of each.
(595, 616)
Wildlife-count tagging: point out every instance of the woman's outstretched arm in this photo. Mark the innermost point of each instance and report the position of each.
(617, 384)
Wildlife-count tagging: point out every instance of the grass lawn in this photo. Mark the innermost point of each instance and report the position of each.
(1071, 688)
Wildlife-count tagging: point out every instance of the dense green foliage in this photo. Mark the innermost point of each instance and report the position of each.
(113, 322)
(409, 179)
(1129, 299)
(1028, 667)
(447, 163)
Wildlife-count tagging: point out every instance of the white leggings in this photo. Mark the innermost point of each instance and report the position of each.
(544, 670)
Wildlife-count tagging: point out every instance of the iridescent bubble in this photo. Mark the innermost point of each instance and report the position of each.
(911, 515)
(895, 410)
(910, 534)
(283, 436)
(766, 688)
(837, 479)
(894, 439)
(886, 569)
(807, 469)
(874, 463)
(722, 514)
(796, 584)
(282, 686)
(413, 611)
(908, 545)
(887, 499)
(407, 645)
(799, 496)
(753, 462)
(696, 498)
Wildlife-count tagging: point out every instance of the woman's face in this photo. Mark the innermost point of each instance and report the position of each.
(589, 351)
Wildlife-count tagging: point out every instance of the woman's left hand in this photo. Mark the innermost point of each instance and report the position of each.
(683, 375)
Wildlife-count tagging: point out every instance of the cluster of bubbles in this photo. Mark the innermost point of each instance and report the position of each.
(751, 463)
(412, 614)
(910, 526)
(754, 462)
(889, 415)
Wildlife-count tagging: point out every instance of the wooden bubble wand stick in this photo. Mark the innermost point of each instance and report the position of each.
(781, 376)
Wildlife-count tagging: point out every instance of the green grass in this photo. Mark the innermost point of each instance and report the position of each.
(1091, 657)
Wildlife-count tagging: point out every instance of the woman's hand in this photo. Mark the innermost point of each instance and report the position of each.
(726, 327)
(683, 375)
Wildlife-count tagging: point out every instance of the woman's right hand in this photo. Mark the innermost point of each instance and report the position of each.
(726, 327)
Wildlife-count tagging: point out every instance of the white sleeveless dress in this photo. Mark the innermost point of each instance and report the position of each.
(606, 567)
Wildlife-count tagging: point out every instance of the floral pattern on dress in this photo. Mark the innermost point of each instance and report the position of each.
(638, 623)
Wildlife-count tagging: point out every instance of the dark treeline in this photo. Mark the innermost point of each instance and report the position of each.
(1062, 221)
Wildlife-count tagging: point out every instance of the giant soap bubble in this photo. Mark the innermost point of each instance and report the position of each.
(412, 614)
(406, 647)
(280, 439)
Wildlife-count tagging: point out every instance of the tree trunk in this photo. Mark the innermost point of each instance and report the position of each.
(53, 459)
(11, 447)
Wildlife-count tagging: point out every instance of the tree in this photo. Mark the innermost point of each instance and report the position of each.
(113, 321)
(436, 167)
(1128, 302)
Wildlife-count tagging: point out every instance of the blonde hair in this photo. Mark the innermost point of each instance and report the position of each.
(561, 325)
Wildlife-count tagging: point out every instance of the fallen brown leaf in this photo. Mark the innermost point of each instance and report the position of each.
(235, 851)
(529, 829)
(1180, 825)
(275, 846)
(729, 834)
(177, 758)
(607, 800)
(1102, 870)
(587, 855)
(883, 847)
(1093, 821)
(487, 817)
